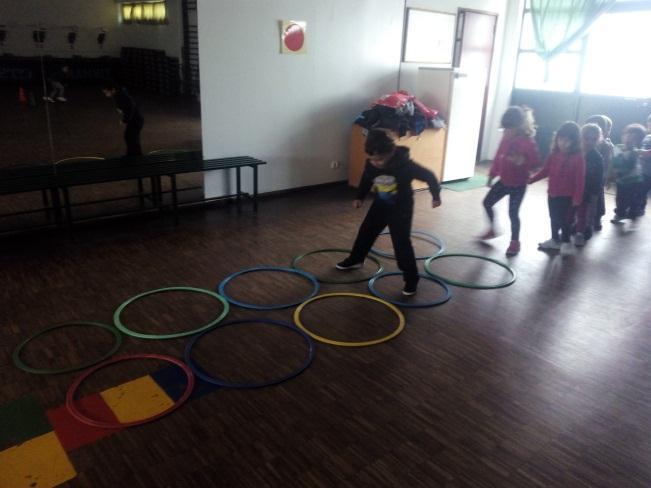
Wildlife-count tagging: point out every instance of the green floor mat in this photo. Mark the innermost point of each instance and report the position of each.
(471, 183)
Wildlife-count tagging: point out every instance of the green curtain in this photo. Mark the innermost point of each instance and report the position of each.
(559, 23)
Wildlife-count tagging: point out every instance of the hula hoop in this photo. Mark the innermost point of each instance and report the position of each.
(222, 288)
(432, 240)
(446, 288)
(70, 395)
(462, 284)
(401, 320)
(21, 365)
(338, 282)
(80, 159)
(118, 321)
(198, 371)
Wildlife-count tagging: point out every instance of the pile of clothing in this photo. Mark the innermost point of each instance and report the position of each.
(400, 112)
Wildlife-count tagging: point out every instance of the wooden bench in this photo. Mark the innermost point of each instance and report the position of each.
(59, 178)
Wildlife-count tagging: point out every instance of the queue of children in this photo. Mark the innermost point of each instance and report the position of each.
(582, 162)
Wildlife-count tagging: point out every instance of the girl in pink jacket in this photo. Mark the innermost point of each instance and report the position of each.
(516, 157)
(565, 168)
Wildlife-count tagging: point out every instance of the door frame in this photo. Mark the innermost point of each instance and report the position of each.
(456, 60)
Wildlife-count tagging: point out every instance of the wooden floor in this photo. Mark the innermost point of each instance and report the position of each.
(544, 383)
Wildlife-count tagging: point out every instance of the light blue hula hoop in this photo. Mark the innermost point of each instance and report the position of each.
(446, 288)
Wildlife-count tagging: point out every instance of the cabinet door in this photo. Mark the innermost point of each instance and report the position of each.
(356, 155)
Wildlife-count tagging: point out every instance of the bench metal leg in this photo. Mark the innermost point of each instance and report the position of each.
(56, 205)
(255, 188)
(141, 193)
(159, 192)
(68, 209)
(238, 180)
(175, 200)
(46, 204)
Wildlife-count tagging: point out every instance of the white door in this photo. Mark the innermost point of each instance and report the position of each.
(475, 39)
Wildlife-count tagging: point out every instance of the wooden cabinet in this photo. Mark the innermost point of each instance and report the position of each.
(427, 149)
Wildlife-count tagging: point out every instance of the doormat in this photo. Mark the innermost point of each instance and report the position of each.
(471, 183)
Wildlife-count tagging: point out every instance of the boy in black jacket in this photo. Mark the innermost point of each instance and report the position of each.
(130, 116)
(390, 171)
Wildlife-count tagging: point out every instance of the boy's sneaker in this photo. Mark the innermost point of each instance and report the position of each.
(410, 289)
(566, 249)
(62, 99)
(579, 239)
(550, 244)
(489, 234)
(347, 264)
(48, 99)
(513, 249)
(617, 219)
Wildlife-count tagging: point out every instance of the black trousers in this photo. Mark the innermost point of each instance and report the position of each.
(643, 195)
(399, 221)
(560, 214)
(601, 207)
(627, 200)
(132, 137)
(516, 195)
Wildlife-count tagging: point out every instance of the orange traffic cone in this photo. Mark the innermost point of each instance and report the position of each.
(22, 98)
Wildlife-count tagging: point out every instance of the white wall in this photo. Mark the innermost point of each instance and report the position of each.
(499, 88)
(89, 16)
(293, 111)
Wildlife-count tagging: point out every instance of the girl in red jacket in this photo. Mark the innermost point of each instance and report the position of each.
(565, 168)
(515, 158)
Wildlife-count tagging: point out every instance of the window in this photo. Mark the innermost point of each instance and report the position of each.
(607, 61)
(429, 37)
(144, 13)
(560, 74)
(615, 63)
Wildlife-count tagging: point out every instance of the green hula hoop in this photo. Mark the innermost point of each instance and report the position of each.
(120, 325)
(338, 282)
(22, 365)
(462, 284)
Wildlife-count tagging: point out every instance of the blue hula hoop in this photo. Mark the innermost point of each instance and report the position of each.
(432, 240)
(199, 372)
(222, 287)
(442, 284)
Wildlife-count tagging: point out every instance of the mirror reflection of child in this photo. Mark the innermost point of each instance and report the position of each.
(389, 171)
(57, 81)
(130, 116)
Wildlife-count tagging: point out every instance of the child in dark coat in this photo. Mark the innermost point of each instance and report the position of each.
(389, 171)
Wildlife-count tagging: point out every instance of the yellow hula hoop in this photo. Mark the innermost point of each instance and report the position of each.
(396, 310)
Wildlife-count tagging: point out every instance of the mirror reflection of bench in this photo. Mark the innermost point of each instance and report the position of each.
(56, 182)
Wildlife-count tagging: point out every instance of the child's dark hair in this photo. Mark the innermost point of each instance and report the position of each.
(520, 118)
(571, 131)
(591, 132)
(600, 120)
(637, 131)
(378, 142)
